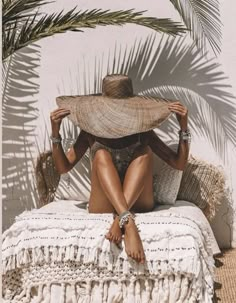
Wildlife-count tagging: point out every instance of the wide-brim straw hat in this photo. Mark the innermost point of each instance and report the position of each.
(116, 112)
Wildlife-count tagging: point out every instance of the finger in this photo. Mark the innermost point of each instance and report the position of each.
(60, 115)
(177, 106)
(53, 115)
(176, 102)
(58, 110)
(180, 112)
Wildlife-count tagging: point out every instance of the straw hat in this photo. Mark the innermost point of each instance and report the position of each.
(117, 112)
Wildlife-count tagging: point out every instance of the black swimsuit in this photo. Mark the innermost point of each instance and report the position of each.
(121, 157)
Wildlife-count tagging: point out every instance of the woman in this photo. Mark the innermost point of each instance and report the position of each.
(121, 180)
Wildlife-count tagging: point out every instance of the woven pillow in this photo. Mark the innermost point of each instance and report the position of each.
(166, 180)
(203, 184)
(75, 184)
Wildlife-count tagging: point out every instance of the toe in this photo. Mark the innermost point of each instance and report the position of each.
(128, 253)
(138, 257)
(142, 258)
(134, 256)
(108, 235)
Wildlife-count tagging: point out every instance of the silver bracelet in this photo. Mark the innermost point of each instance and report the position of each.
(185, 135)
(56, 140)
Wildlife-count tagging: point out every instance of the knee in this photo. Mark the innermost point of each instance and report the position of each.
(102, 157)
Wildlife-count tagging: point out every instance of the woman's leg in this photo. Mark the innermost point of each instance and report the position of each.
(105, 179)
(137, 187)
(138, 182)
(106, 191)
(138, 191)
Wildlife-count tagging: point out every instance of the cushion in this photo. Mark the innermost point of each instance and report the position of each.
(166, 180)
(75, 184)
(203, 184)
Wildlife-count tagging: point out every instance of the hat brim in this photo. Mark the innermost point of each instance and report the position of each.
(108, 117)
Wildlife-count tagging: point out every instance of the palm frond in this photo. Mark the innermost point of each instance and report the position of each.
(17, 37)
(19, 10)
(202, 17)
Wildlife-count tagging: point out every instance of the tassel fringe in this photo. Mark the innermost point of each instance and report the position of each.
(146, 291)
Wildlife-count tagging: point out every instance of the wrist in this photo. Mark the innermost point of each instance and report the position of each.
(55, 133)
(184, 128)
(185, 135)
(56, 140)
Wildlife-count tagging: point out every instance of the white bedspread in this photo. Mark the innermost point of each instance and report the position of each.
(61, 247)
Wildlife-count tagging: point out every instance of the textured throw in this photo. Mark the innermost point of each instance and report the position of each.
(42, 249)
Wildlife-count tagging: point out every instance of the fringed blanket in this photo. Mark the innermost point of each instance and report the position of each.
(67, 249)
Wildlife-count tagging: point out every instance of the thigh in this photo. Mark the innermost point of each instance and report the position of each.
(98, 201)
(145, 201)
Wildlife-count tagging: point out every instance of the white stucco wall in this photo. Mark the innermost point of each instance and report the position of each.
(68, 59)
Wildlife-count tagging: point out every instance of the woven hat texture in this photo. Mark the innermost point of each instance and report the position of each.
(116, 112)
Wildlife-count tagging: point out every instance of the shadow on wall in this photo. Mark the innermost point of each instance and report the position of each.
(20, 86)
(178, 71)
(173, 69)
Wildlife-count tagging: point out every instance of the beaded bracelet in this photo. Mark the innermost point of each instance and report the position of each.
(56, 140)
(124, 218)
(185, 135)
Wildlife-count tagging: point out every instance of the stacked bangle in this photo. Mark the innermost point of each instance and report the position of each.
(185, 135)
(56, 140)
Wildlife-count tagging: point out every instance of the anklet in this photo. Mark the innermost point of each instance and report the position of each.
(124, 218)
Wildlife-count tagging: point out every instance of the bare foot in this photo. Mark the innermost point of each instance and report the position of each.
(133, 243)
(115, 233)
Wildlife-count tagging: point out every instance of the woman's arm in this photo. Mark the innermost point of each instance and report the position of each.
(176, 160)
(65, 162)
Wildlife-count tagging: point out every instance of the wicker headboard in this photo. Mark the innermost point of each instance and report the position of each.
(194, 178)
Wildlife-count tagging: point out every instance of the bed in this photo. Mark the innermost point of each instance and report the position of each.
(58, 253)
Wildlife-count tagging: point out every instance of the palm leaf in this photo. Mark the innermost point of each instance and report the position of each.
(19, 10)
(202, 17)
(16, 37)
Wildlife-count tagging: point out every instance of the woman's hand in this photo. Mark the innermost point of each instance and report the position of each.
(181, 114)
(56, 118)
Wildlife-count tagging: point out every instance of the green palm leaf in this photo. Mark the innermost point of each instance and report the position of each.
(16, 10)
(202, 17)
(17, 36)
